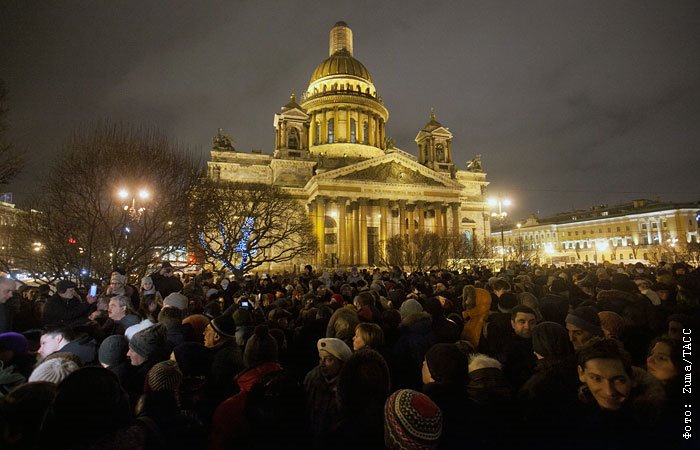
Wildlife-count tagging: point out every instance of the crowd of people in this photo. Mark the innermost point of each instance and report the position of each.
(530, 357)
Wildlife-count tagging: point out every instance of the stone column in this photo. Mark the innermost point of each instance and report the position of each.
(437, 226)
(455, 219)
(312, 131)
(402, 218)
(411, 222)
(342, 235)
(355, 225)
(363, 231)
(347, 124)
(321, 230)
(443, 211)
(383, 223)
(421, 216)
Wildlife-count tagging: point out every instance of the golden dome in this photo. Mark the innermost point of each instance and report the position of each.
(341, 63)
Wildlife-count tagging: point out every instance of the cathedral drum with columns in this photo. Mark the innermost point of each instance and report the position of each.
(331, 153)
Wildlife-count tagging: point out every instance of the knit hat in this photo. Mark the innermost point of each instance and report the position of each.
(612, 322)
(145, 280)
(149, 342)
(224, 325)
(551, 340)
(586, 318)
(336, 347)
(14, 342)
(164, 376)
(53, 370)
(212, 293)
(117, 278)
(260, 348)
(198, 322)
(193, 359)
(410, 307)
(176, 300)
(622, 282)
(63, 285)
(447, 364)
(113, 350)
(412, 421)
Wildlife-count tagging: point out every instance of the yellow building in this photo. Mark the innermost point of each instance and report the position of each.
(642, 230)
(332, 153)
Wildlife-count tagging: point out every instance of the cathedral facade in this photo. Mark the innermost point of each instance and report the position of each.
(331, 153)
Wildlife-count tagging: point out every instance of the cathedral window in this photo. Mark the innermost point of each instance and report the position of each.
(353, 132)
(317, 134)
(293, 139)
(440, 153)
(365, 133)
(331, 132)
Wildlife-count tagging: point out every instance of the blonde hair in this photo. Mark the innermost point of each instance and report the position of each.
(371, 333)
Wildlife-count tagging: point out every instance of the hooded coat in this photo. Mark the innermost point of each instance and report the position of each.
(415, 339)
(475, 318)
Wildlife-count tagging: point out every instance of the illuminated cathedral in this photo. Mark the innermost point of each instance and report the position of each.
(332, 154)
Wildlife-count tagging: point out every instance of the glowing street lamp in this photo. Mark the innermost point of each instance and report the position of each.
(600, 246)
(134, 212)
(500, 216)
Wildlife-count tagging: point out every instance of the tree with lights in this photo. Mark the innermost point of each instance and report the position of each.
(118, 196)
(243, 226)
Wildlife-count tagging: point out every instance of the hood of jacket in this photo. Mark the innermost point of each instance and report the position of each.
(248, 378)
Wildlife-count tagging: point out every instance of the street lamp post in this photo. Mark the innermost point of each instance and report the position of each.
(130, 207)
(501, 216)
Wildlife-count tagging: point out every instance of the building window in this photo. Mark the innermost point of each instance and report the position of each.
(612, 256)
(600, 230)
(604, 213)
(353, 132)
(569, 233)
(584, 232)
(627, 227)
(645, 256)
(609, 230)
(644, 226)
(365, 133)
(293, 139)
(576, 233)
(617, 228)
(331, 132)
(665, 224)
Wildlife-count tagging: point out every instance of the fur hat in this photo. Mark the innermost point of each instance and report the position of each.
(198, 322)
(586, 318)
(260, 348)
(53, 370)
(14, 342)
(410, 307)
(447, 364)
(176, 300)
(164, 376)
(411, 421)
(507, 301)
(149, 342)
(336, 347)
(224, 325)
(551, 340)
(113, 350)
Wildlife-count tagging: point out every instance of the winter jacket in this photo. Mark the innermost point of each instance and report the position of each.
(84, 347)
(415, 339)
(61, 311)
(229, 421)
(475, 318)
(322, 403)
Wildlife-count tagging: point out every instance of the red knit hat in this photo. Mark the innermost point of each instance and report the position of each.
(412, 421)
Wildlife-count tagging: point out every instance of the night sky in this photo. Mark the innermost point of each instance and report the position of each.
(570, 104)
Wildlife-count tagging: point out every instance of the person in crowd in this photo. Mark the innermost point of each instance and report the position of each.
(665, 363)
(622, 403)
(321, 385)
(53, 370)
(445, 373)
(227, 359)
(65, 307)
(444, 329)
(554, 306)
(612, 323)
(146, 349)
(91, 411)
(476, 303)
(518, 358)
(165, 280)
(499, 287)
(415, 338)
(68, 340)
(121, 316)
(171, 318)
(411, 421)
(583, 324)
(16, 361)
(112, 356)
(230, 423)
(148, 291)
(363, 387)
(8, 305)
(368, 335)
(22, 413)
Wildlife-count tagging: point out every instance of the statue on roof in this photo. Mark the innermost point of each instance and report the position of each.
(475, 164)
(222, 141)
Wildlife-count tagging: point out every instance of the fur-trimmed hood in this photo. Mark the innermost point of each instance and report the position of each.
(414, 320)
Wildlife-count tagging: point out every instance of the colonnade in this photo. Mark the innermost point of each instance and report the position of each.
(321, 117)
(362, 223)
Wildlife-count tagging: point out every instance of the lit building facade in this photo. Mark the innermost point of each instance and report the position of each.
(332, 154)
(641, 230)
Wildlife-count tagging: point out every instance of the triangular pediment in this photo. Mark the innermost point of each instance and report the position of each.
(294, 113)
(440, 131)
(392, 169)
